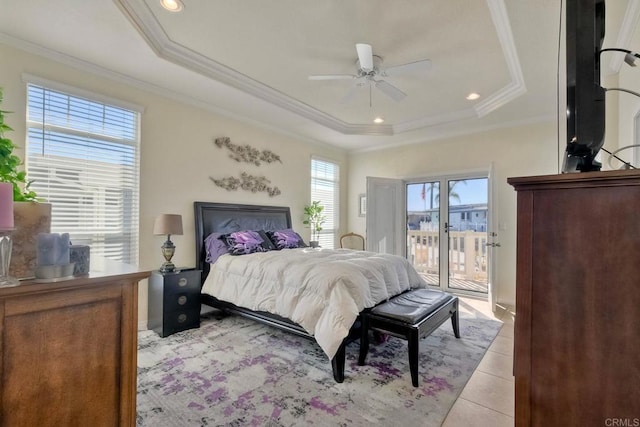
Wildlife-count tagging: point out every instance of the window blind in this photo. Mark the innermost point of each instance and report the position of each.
(83, 158)
(325, 186)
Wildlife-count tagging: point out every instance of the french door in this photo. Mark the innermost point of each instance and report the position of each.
(448, 239)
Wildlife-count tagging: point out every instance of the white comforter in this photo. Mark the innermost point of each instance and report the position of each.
(322, 290)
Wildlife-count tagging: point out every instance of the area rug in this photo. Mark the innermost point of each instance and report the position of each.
(235, 372)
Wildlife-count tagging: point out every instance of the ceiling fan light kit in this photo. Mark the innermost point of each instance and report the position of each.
(369, 73)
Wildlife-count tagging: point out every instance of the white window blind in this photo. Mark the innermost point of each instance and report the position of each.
(82, 156)
(325, 185)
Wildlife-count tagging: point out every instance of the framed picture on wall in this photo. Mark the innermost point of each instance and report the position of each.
(362, 206)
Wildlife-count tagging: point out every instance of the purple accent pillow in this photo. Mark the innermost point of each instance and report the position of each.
(286, 239)
(245, 242)
(215, 245)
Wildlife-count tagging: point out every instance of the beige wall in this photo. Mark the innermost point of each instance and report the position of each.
(526, 150)
(177, 155)
(629, 105)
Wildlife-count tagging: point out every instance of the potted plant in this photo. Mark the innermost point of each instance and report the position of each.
(30, 217)
(314, 220)
(9, 164)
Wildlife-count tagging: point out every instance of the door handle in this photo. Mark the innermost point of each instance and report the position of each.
(493, 245)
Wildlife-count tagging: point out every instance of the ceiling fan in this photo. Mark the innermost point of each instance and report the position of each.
(369, 73)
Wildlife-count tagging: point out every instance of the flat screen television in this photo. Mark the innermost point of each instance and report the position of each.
(585, 29)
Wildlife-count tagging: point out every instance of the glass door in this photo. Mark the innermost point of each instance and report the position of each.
(447, 232)
(466, 228)
(423, 229)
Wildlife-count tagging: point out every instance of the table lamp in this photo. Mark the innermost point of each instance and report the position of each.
(168, 224)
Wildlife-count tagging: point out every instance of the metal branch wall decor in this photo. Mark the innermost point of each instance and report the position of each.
(246, 153)
(247, 182)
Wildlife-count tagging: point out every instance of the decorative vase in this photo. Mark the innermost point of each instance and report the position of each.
(30, 218)
(5, 258)
(314, 243)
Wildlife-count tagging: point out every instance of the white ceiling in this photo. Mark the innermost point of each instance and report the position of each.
(250, 59)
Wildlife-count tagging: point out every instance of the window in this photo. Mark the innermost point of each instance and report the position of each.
(82, 156)
(325, 185)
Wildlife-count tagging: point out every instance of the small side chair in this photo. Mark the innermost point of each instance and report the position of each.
(352, 241)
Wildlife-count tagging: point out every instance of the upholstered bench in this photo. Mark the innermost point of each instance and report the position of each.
(411, 316)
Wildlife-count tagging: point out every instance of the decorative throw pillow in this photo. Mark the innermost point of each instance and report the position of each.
(245, 242)
(215, 245)
(286, 239)
(266, 241)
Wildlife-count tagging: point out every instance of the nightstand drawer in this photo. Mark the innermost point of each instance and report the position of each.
(180, 320)
(185, 281)
(181, 301)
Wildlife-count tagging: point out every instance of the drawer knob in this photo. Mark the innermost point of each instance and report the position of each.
(182, 282)
(182, 300)
(182, 318)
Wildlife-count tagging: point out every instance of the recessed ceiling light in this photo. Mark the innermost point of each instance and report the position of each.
(378, 120)
(172, 5)
(472, 96)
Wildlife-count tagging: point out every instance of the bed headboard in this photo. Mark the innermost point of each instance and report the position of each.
(227, 218)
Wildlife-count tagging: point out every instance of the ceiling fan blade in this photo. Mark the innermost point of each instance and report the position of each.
(365, 56)
(412, 67)
(332, 77)
(390, 90)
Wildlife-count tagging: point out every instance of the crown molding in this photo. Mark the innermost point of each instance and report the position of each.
(496, 100)
(453, 133)
(145, 22)
(516, 87)
(148, 87)
(150, 29)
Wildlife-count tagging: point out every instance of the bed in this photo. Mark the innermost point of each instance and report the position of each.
(314, 293)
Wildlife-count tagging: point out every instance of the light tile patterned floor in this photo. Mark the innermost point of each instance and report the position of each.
(488, 398)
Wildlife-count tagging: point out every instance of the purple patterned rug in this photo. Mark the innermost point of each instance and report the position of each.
(235, 372)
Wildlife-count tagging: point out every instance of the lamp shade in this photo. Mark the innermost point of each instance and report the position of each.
(168, 224)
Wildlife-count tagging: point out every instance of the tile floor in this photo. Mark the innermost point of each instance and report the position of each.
(488, 398)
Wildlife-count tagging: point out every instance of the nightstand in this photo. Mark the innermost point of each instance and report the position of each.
(174, 301)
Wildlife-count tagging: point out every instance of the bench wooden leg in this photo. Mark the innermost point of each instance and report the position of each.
(364, 340)
(338, 362)
(455, 320)
(413, 339)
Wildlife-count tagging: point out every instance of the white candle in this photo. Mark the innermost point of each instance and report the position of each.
(6, 205)
(52, 249)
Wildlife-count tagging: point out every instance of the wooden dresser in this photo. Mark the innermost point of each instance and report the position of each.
(577, 328)
(69, 350)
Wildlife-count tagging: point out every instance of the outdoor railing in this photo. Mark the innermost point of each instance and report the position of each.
(423, 252)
